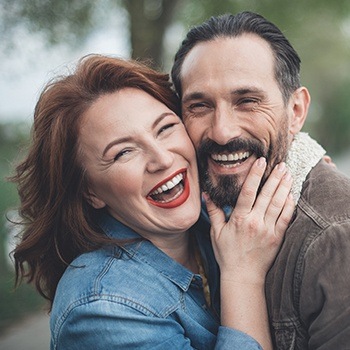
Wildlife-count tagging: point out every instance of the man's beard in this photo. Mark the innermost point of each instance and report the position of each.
(225, 189)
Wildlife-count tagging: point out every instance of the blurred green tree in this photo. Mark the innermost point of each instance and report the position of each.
(72, 21)
(12, 136)
(13, 305)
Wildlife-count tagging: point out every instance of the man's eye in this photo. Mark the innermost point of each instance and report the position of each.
(197, 105)
(248, 103)
(198, 108)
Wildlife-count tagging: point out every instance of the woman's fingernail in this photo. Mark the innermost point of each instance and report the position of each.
(205, 196)
(261, 162)
(291, 197)
(287, 176)
(281, 167)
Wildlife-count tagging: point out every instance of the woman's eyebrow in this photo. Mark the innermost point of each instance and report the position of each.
(115, 142)
(128, 138)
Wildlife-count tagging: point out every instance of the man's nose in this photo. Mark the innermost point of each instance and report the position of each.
(224, 125)
(159, 158)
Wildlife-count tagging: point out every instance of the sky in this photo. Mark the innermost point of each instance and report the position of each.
(25, 70)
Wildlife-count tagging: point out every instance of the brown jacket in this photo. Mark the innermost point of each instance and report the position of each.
(308, 287)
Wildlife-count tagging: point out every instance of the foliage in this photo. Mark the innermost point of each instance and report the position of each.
(14, 303)
(334, 128)
(72, 21)
(13, 136)
(64, 20)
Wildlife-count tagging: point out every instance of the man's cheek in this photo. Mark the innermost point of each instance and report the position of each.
(194, 133)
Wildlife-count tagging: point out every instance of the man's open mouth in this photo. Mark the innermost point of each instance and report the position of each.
(171, 192)
(230, 160)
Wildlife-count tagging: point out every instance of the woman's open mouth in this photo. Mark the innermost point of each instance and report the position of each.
(171, 192)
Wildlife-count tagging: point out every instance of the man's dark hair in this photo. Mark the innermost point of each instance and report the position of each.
(287, 61)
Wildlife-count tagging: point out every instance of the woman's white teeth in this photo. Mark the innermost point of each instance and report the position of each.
(169, 185)
(230, 157)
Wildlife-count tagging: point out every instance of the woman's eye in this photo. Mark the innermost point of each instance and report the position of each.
(166, 127)
(121, 154)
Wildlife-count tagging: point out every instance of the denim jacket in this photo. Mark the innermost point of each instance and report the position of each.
(137, 297)
(308, 287)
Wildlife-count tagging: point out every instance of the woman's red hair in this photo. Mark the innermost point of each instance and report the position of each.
(58, 223)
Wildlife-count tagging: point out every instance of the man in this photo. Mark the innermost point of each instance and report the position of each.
(238, 77)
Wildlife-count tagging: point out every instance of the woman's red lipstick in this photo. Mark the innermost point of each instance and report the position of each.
(179, 198)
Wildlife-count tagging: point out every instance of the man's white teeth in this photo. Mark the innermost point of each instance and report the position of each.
(230, 157)
(169, 185)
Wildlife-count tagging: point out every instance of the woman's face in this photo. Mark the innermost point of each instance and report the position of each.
(140, 163)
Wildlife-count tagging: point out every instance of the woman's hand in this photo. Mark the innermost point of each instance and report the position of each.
(247, 244)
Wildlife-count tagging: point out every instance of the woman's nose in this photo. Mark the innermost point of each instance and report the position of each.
(160, 158)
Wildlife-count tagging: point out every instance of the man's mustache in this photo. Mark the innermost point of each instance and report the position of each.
(208, 147)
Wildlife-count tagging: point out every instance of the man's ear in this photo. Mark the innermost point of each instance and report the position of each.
(94, 201)
(300, 102)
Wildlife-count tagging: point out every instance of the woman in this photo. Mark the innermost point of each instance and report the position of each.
(113, 236)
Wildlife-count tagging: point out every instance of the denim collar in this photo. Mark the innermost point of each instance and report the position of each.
(143, 250)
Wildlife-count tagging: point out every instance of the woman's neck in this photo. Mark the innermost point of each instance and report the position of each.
(180, 248)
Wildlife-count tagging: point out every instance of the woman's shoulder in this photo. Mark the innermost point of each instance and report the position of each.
(114, 277)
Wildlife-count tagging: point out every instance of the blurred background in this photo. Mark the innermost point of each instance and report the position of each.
(43, 38)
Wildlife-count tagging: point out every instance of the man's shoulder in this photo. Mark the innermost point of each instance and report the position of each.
(323, 209)
(326, 192)
(328, 175)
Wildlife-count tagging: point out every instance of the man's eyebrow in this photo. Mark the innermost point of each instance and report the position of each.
(128, 138)
(193, 96)
(237, 92)
(246, 90)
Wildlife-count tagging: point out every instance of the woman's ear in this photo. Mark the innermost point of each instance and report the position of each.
(94, 201)
(300, 101)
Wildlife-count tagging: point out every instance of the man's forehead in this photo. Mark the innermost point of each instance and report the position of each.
(228, 67)
(224, 52)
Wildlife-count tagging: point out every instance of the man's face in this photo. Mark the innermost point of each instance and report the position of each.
(234, 112)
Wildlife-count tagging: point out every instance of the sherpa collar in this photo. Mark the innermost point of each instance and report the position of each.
(303, 155)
